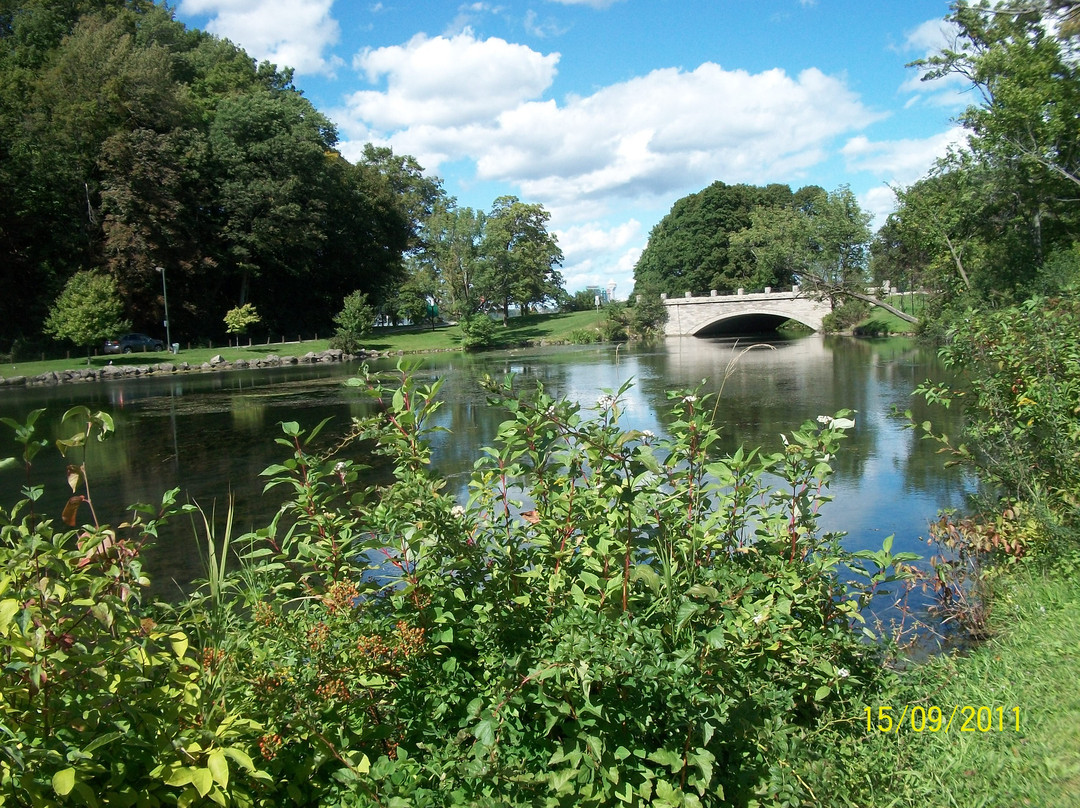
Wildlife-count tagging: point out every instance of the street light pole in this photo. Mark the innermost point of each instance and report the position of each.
(165, 295)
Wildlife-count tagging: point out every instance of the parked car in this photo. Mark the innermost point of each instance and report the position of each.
(133, 342)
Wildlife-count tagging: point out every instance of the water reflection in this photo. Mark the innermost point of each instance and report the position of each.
(211, 434)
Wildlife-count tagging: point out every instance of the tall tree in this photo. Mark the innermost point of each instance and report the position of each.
(268, 149)
(690, 249)
(520, 256)
(452, 247)
(1019, 177)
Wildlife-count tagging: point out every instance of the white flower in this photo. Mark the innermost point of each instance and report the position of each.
(690, 399)
(339, 467)
(647, 434)
(824, 419)
(606, 402)
(843, 673)
(458, 511)
(758, 618)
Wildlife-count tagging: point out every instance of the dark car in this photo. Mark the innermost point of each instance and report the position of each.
(133, 342)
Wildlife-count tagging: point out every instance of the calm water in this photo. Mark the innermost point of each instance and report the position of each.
(213, 433)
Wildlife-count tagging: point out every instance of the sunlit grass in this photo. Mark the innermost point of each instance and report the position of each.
(1031, 663)
(882, 321)
(535, 328)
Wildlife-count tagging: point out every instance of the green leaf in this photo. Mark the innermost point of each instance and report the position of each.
(63, 781)
(484, 732)
(242, 758)
(180, 777)
(8, 609)
(218, 767)
(822, 692)
(202, 780)
(178, 643)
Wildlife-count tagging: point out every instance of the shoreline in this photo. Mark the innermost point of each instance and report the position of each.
(215, 364)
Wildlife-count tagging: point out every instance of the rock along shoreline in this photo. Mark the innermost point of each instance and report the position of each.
(215, 364)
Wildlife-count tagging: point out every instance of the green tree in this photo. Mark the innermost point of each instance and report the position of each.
(269, 149)
(520, 256)
(88, 311)
(690, 249)
(239, 318)
(354, 322)
(451, 251)
(991, 214)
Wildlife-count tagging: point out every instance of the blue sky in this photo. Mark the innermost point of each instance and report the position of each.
(608, 111)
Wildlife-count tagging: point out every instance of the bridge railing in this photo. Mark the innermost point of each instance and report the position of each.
(713, 293)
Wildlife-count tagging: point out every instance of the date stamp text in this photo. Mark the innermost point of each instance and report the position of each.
(954, 718)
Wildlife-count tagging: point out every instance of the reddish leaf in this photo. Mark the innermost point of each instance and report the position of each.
(71, 510)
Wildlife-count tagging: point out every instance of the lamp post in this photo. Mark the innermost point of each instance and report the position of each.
(165, 296)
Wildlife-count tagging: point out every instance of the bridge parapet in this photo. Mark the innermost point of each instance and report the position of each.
(691, 314)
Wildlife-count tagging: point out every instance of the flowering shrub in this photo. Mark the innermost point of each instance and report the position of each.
(612, 617)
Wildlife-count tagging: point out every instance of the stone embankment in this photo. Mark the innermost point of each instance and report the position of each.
(216, 363)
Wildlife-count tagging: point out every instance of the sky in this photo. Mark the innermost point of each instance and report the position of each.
(607, 112)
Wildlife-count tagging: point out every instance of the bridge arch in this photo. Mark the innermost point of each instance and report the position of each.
(750, 322)
(691, 316)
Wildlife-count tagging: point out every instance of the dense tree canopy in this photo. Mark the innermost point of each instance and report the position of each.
(998, 219)
(469, 261)
(690, 250)
(129, 142)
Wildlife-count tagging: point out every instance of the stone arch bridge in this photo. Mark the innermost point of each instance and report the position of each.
(694, 316)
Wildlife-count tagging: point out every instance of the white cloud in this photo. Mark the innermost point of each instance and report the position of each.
(879, 202)
(594, 239)
(289, 33)
(447, 81)
(899, 162)
(669, 131)
(542, 29)
(896, 163)
(929, 39)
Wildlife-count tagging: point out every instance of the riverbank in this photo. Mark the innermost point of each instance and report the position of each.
(536, 329)
(1031, 756)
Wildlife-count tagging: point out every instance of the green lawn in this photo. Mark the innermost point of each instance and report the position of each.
(1031, 664)
(535, 328)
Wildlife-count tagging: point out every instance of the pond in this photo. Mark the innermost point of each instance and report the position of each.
(211, 434)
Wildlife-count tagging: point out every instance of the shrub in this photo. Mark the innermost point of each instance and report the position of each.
(583, 336)
(647, 316)
(104, 702)
(871, 328)
(354, 322)
(845, 316)
(611, 618)
(1020, 389)
(477, 332)
(614, 325)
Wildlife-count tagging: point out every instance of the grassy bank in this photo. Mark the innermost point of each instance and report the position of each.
(1031, 663)
(884, 322)
(534, 328)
